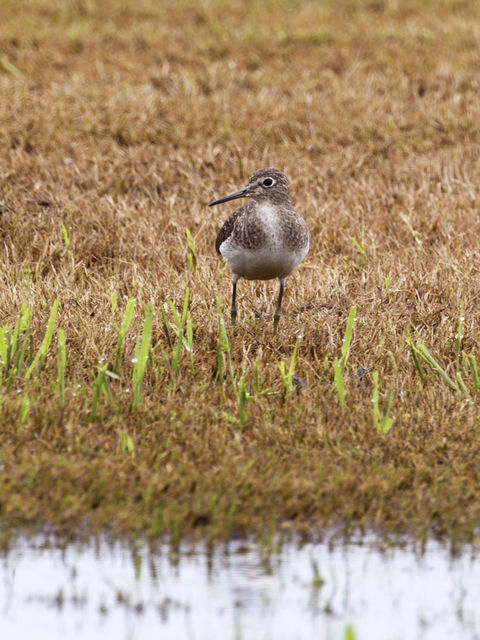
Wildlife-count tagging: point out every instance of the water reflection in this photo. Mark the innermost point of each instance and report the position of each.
(294, 593)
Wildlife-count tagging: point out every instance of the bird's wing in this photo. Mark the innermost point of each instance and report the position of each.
(227, 228)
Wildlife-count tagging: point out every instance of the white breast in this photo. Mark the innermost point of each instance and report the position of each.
(270, 221)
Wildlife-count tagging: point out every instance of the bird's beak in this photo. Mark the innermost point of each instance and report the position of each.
(233, 196)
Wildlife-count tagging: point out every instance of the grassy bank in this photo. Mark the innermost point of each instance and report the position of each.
(127, 402)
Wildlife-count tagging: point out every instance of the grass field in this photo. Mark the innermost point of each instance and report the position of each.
(127, 403)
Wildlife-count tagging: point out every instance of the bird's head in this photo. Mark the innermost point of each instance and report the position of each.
(267, 184)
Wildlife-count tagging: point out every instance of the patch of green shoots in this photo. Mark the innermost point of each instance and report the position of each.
(14, 345)
(142, 352)
(415, 357)
(468, 363)
(422, 352)
(61, 365)
(339, 365)
(42, 352)
(101, 384)
(360, 247)
(287, 375)
(125, 325)
(382, 422)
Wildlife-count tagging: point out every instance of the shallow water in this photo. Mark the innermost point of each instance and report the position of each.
(294, 593)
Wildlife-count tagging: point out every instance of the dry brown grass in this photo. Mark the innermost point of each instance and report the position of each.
(126, 120)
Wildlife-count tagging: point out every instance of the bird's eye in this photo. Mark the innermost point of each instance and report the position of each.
(268, 182)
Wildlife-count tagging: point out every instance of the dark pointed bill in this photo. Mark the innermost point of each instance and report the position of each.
(233, 196)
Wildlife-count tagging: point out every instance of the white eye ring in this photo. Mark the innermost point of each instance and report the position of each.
(270, 181)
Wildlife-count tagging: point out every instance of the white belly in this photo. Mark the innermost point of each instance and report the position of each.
(261, 264)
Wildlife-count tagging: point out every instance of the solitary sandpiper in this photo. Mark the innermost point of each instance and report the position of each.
(266, 238)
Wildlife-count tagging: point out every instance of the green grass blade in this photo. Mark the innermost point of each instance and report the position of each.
(61, 365)
(387, 421)
(461, 382)
(189, 340)
(382, 423)
(287, 376)
(3, 348)
(13, 345)
(100, 380)
(141, 356)
(66, 237)
(416, 361)
(376, 409)
(459, 339)
(175, 313)
(15, 340)
(192, 254)
(7, 67)
(242, 397)
(338, 380)
(25, 408)
(126, 443)
(430, 360)
(21, 337)
(42, 352)
(219, 359)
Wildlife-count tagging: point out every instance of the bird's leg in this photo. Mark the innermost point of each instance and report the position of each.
(276, 316)
(233, 311)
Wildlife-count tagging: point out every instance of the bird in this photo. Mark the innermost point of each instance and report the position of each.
(266, 238)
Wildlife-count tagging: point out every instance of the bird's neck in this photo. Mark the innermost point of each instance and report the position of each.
(273, 202)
